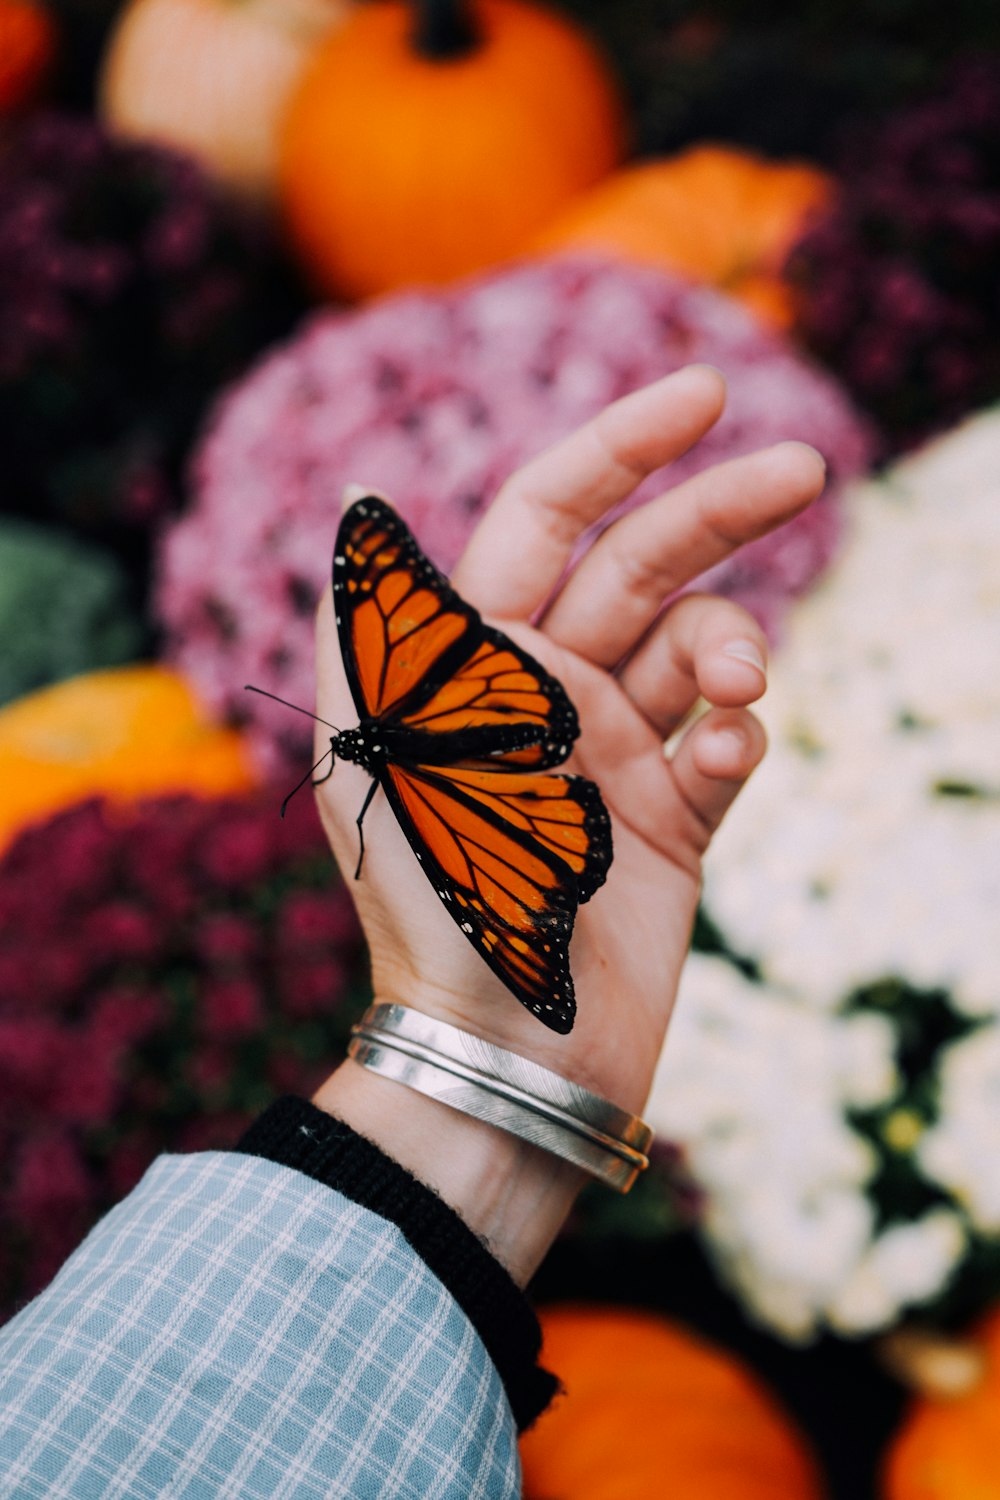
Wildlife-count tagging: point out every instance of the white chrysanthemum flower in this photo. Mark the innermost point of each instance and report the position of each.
(867, 847)
(854, 853)
(907, 1264)
(962, 1150)
(754, 1085)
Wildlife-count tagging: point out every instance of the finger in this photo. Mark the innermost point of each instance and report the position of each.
(702, 647)
(333, 695)
(521, 547)
(611, 599)
(708, 771)
(352, 492)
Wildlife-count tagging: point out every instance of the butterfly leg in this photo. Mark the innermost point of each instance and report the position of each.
(361, 833)
(308, 777)
(332, 753)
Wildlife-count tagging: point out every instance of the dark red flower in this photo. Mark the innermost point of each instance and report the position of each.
(223, 939)
(143, 1013)
(230, 1008)
(86, 1086)
(119, 930)
(17, 979)
(240, 850)
(313, 988)
(317, 919)
(48, 1177)
(31, 1051)
(123, 1016)
(210, 1071)
(128, 1162)
(898, 288)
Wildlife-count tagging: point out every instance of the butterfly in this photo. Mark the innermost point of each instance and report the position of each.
(460, 728)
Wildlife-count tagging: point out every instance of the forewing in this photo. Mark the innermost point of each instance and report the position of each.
(499, 692)
(420, 659)
(511, 855)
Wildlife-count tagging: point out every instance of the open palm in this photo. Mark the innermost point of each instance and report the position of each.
(634, 671)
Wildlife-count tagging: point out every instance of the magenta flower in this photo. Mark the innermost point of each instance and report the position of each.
(435, 397)
(160, 977)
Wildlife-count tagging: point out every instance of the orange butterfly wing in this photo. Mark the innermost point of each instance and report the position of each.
(466, 720)
(511, 855)
(416, 655)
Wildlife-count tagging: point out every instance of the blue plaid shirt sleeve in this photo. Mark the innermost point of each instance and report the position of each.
(236, 1329)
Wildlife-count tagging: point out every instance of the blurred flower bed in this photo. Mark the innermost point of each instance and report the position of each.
(897, 287)
(181, 409)
(129, 289)
(783, 77)
(848, 1033)
(64, 608)
(165, 970)
(125, 733)
(435, 398)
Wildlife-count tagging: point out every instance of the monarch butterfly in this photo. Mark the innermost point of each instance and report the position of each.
(460, 728)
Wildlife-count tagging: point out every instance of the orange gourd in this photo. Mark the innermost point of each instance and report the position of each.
(713, 213)
(27, 51)
(651, 1410)
(416, 155)
(948, 1446)
(126, 733)
(213, 78)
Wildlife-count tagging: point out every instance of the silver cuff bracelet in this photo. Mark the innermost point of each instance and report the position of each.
(503, 1089)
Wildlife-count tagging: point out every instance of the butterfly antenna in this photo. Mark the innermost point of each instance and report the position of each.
(249, 688)
(306, 777)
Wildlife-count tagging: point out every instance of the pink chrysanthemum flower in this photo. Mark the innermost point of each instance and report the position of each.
(435, 398)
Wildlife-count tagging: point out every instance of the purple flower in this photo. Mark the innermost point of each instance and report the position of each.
(898, 289)
(129, 289)
(436, 397)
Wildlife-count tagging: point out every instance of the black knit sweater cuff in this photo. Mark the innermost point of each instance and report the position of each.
(297, 1134)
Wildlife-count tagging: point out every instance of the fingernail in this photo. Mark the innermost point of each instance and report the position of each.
(820, 458)
(731, 740)
(747, 651)
(353, 492)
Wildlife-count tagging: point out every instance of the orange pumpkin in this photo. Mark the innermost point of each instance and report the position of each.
(652, 1410)
(27, 51)
(213, 77)
(948, 1447)
(126, 733)
(712, 213)
(408, 160)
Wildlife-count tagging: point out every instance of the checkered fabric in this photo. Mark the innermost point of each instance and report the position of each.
(235, 1329)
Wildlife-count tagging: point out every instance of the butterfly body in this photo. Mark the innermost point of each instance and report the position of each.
(460, 727)
(376, 742)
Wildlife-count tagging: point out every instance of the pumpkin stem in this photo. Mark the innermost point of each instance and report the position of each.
(444, 29)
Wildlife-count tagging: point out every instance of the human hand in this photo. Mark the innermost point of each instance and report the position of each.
(634, 672)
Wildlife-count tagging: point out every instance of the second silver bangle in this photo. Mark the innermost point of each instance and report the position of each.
(503, 1089)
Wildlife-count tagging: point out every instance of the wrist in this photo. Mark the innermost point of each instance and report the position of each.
(476, 1001)
(511, 1194)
